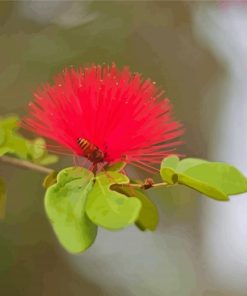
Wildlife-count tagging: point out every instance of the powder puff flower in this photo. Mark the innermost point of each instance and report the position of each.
(106, 115)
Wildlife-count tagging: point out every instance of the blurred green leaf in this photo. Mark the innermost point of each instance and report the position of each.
(50, 179)
(37, 148)
(39, 154)
(215, 179)
(2, 135)
(10, 140)
(4, 150)
(2, 199)
(17, 144)
(10, 122)
(65, 207)
(13, 142)
(108, 208)
(118, 166)
(48, 159)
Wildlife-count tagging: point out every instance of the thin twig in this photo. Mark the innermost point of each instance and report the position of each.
(25, 164)
(142, 186)
(161, 184)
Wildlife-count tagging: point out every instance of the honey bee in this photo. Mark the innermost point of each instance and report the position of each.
(91, 151)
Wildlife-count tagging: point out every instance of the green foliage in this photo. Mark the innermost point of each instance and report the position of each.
(3, 150)
(50, 179)
(65, 206)
(148, 217)
(118, 166)
(215, 179)
(11, 141)
(38, 154)
(10, 123)
(47, 159)
(36, 149)
(2, 199)
(77, 202)
(2, 136)
(108, 208)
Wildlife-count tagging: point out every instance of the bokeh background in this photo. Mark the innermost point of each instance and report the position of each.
(197, 51)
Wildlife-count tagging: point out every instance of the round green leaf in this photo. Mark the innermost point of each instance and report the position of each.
(108, 208)
(203, 187)
(219, 175)
(65, 206)
(188, 163)
(215, 179)
(148, 218)
(170, 162)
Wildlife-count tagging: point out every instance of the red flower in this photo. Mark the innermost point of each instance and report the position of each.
(106, 115)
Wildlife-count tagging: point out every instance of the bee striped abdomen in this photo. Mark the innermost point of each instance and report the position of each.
(83, 143)
(90, 151)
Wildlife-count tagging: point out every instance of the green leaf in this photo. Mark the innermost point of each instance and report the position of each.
(188, 163)
(4, 150)
(39, 154)
(48, 159)
(168, 167)
(221, 175)
(10, 122)
(10, 140)
(214, 179)
(65, 206)
(2, 136)
(17, 145)
(148, 218)
(37, 148)
(13, 142)
(170, 162)
(108, 208)
(116, 167)
(2, 199)
(50, 179)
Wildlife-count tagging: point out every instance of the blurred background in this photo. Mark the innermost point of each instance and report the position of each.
(197, 51)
